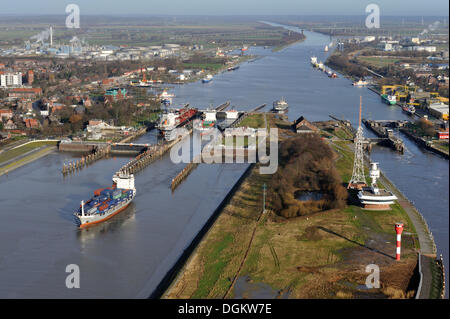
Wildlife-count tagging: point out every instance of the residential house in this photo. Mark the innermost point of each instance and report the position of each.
(303, 126)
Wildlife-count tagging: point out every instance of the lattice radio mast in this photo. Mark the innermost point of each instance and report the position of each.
(358, 179)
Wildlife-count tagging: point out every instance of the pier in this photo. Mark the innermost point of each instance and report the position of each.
(183, 174)
(223, 106)
(99, 150)
(149, 155)
(97, 153)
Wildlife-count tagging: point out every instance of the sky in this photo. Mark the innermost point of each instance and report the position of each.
(228, 7)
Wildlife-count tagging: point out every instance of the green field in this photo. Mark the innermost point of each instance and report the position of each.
(377, 62)
(10, 154)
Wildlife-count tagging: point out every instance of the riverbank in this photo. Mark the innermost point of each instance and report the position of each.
(283, 46)
(425, 144)
(247, 254)
(221, 69)
(26, 158)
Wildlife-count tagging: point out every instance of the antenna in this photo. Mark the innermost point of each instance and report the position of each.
(360, 108)
(358, 180)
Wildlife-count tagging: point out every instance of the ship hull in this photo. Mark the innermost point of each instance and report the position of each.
(387, 101)
(280, 110)
(106, 218)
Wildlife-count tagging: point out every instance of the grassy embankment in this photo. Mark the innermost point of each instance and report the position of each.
(213, 68)
(442, 145)
(322, 255)
(18, 152)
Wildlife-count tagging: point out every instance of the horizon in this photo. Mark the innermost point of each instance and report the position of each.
(231, 7)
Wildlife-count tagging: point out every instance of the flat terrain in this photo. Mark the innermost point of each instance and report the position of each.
(248, 254)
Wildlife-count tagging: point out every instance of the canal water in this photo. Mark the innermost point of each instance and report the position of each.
(127, 256)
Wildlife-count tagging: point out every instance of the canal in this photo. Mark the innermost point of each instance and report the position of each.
(127, 256)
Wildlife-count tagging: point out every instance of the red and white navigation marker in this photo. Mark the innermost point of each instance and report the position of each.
(398, 230)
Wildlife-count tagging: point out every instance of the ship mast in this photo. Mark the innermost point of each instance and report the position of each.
(358, 179)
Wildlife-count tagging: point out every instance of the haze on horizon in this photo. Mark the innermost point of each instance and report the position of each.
(229, 7)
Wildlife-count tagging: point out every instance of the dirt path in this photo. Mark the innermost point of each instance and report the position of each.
(236, 276)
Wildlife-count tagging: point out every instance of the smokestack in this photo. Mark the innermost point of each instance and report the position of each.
(51, 36)
(398, 230)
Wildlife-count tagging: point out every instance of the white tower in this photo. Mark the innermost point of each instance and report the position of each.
(358, 179)
(51, 37)
(374, 175)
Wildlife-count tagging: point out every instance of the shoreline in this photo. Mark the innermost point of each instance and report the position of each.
(27, 159)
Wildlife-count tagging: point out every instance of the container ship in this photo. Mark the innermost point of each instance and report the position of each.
(280, 106)
(107, 202)
(172, 119)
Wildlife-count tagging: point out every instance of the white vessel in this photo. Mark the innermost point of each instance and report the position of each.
(373, 197)
(166, 98)
(280, 105)
(207, 79)
(361, 82)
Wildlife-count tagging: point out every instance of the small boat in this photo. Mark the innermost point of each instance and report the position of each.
(280, 106)
(326, 48)
(207, 79)
(166, 98)
(233, 68)
(361, 82)
(409, 109)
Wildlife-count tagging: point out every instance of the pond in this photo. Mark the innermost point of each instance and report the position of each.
(305, 196)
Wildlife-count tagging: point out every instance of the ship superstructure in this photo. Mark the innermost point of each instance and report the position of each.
(207, 122)
(174, 118)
